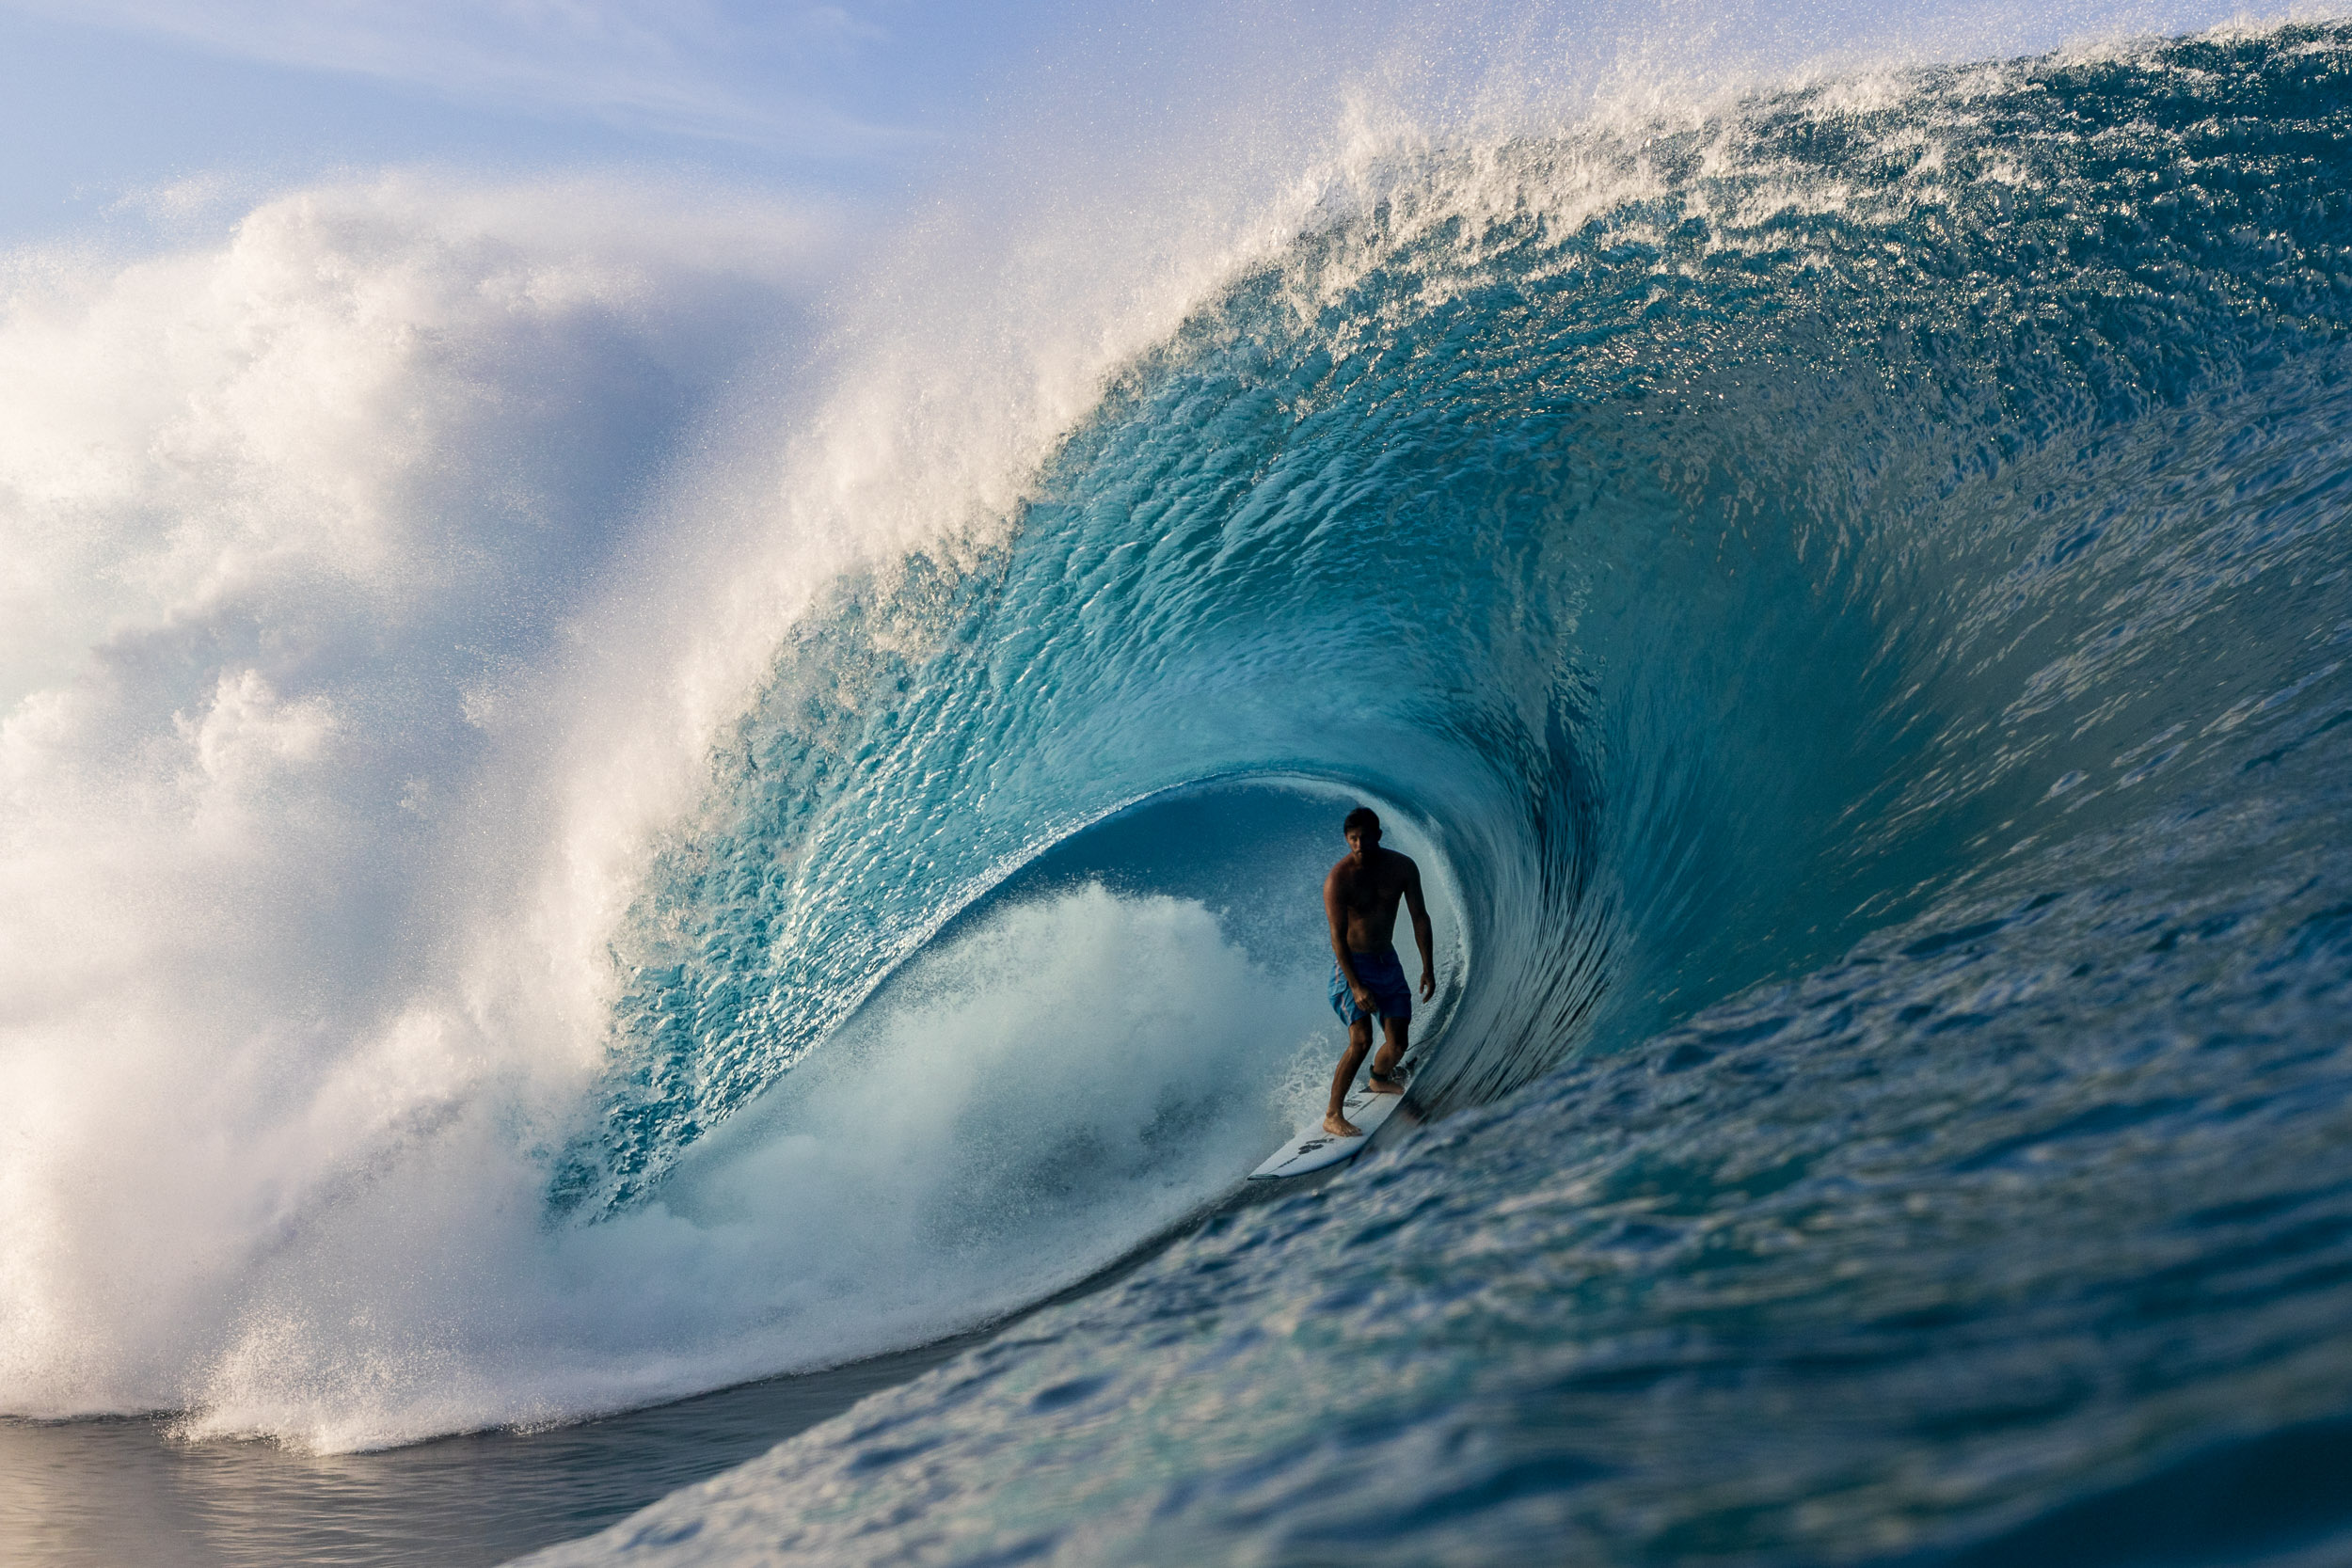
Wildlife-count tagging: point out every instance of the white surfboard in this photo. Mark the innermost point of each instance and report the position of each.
(1314, 1148)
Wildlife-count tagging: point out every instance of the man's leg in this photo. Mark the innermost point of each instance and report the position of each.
(1398, 1035)
(1359, 1041)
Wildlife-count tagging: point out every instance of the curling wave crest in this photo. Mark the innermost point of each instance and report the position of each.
(1845, 590)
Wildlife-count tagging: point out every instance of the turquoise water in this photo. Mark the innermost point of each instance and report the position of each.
(1848, 597)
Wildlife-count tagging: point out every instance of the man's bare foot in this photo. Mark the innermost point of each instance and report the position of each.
(1378, 1085)
(1340, 1127)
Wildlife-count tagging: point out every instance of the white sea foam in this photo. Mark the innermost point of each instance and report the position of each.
(1029, 1098)
(377, 575)
(286, 519)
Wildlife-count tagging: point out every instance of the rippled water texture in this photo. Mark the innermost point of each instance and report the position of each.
(1853, 592)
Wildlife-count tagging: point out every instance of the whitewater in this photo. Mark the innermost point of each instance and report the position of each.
(600, 802)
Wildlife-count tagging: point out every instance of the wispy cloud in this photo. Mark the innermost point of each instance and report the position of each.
(734, 70)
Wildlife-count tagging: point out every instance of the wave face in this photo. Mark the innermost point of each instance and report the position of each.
(1852, 591)
(1846, 595)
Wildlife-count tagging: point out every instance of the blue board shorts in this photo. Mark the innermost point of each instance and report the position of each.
(1383, 975)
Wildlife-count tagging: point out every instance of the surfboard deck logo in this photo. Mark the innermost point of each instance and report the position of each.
(1312, 1149)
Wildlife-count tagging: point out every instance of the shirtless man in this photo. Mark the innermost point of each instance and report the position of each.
(1360, 896)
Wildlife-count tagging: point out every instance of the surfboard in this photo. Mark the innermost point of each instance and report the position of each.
(1313, 1148)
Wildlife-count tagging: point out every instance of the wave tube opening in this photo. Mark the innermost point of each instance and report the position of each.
(1080, 1058)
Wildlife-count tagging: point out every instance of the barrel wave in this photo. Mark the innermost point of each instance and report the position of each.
(1852, 590)
(1845, 590)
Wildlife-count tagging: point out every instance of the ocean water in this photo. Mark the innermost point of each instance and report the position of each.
(1846, 587)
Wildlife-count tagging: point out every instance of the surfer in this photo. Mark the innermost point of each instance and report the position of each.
(1361, 896)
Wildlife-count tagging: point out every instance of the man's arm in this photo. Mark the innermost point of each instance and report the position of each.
(1423, 937)
(1335, 910)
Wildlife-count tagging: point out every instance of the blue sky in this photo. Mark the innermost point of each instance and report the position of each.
(106, 99)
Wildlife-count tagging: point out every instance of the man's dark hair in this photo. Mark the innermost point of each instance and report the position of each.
(1364, 817)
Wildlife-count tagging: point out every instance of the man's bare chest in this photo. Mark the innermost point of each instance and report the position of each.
(1370, 894)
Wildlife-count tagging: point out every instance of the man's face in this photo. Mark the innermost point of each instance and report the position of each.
(1361, 842)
